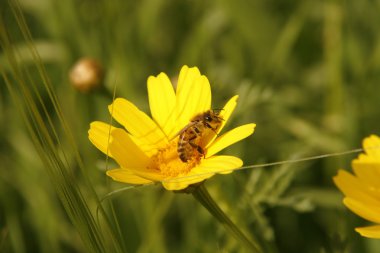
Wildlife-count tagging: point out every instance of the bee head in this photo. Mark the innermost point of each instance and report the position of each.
(208, 117)
(213, 116)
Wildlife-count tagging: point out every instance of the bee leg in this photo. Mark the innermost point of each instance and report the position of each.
(208, 126)
(198, 148)
(212, 128)
(201, 151)
(183, 158)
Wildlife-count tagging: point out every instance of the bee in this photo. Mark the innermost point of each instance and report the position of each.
(194, 136)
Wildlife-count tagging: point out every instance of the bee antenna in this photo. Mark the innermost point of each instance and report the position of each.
(217, 111)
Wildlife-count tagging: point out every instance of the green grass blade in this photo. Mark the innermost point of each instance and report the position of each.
(48, 144)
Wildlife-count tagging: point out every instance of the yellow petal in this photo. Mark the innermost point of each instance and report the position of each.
(230, 138)
(372, 146)
(222, 164)
(363, 209)
(143, 172)
(228, 109)
(367, 172)
(100, 135)
(162, 100)
(348, 184)
(125, 151)
(186, 75)
(137, 123)
(206, 169)
(366, 159)
(193, 97)
(353, 188)
(126, 176)
(180, 183)
(370, 231)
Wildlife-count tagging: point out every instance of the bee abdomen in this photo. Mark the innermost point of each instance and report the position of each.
(183, 157)
(184, 151)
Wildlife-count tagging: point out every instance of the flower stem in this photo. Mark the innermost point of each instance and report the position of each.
(201, 194)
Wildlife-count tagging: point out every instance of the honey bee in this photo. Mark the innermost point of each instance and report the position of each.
(193, 137)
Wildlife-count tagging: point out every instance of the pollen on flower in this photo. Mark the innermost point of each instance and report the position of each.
(168, 163)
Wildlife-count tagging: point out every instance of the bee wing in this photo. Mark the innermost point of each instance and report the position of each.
(192, 123)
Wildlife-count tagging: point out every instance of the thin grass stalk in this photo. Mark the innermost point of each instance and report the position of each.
(44, 141)
(54, 100)
(68, 192)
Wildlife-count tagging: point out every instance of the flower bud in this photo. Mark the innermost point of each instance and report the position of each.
(86, 75)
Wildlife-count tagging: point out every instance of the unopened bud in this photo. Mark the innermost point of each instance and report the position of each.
(86, 75)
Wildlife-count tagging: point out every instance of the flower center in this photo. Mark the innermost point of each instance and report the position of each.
(167, 161)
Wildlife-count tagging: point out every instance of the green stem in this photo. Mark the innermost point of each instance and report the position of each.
(201, 194)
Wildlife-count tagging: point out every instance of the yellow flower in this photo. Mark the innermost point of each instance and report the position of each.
(146, 150)
(362, 190)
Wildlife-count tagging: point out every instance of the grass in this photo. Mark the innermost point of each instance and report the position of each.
(306, 73)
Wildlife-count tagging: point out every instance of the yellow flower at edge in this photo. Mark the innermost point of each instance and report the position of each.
(146, 148)
(362, 189)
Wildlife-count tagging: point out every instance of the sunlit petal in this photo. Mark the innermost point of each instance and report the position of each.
(126, 176)
(230, 138)
(352, 187)
(137, 123)
(222, 164)
(372, 146)
(162, 100)
(125, 151)
(100, 135)
(363, 209)
(228, 109)
(368, 173)
(370, 231)
(193, 97)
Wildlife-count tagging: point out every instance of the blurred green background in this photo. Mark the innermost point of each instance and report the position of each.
(307, 73)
